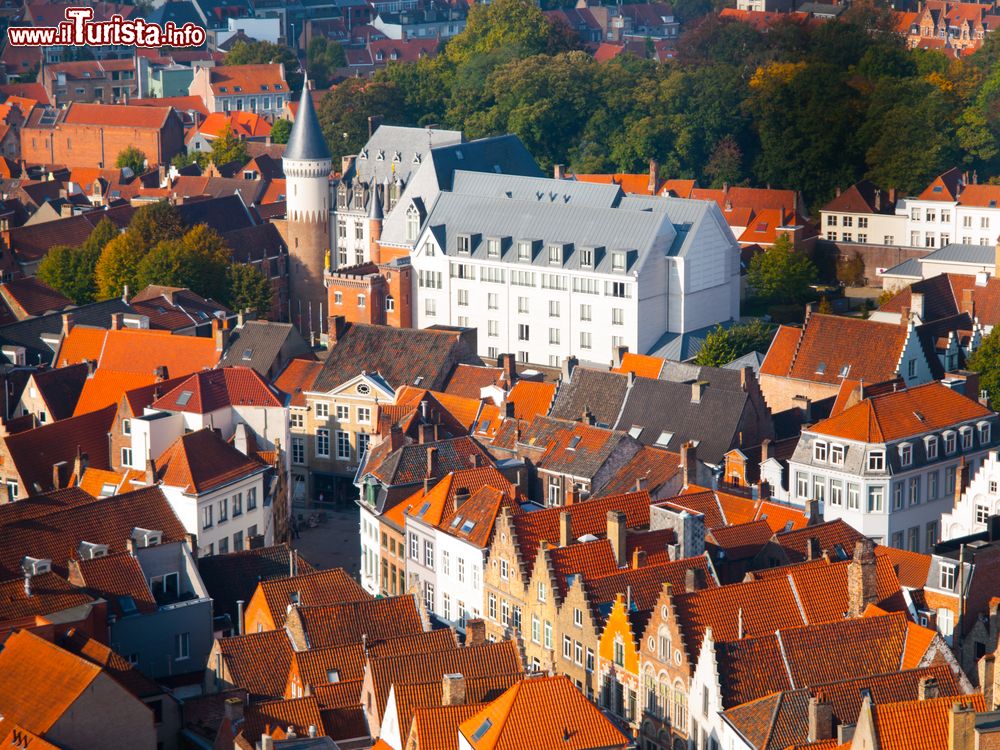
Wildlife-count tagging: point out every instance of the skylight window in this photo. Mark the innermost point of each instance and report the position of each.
(821, 368)
(127, 603)
(574, 441)
(664, 438)
(183, 399)
(423, 509)
(844, 370)
(919, 416)
(484, 425)
(332, 675)
(247, 355)
(762, 226)
(936, 189)
(456, 521)
(483, 729)
(108, 489)
(468, 526)
(635, 432)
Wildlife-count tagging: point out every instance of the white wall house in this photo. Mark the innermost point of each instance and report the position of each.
(552, 268)
(979, 501)
(895, 478)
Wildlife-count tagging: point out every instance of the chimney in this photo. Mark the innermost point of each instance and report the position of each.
(588, 416)
(568, 365)
(313, 730)
(221, 336)
(904, 315)
(80, 463)
(766, 449)
(565, 529)
(572, 494)
(239, 617)
(117, 321)
(805, 408)
(820, 718)
(475, 632)
(616, 535)
(638, 559)
(161, 373)
(453, 690)
(150, 472)
(813, 551)
(508, 409)
(432, 461)
(559, 172)
(961, 727)
(968, 304)
(373, 122)
(336, 328)
(60, 474)
(812, 511)
(346, 162)
(694, 580)
(861, 581)
(698, 390)
(509, 366)
(67, 320)
(234, 710)
(689, 463)
(917, 304)
(654, 176)
(927, 688)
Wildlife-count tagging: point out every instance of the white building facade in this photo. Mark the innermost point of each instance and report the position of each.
(979, 501)
(552, 268)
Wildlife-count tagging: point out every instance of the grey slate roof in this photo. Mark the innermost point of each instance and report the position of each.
(980, 255)
(411, 145)
(752, 359)
(264, 340)
(223, 214)
(600, 391)
(306, 142)
(539, 189)
(502, 154)
(910, 267)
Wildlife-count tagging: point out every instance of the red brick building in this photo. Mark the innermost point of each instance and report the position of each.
(89, 135)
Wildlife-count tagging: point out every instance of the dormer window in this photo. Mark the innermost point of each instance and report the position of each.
(464, 244)
(984, 432)
(949, 441)
(819, 451)
(617, 261)
(412, 223)
(931, 446)
(524, 251)
(359, 198)
(587, 257)
(837, 454)
(876, 461)
(555, 255)
(966, 432)
(493, 248)
(906, 454)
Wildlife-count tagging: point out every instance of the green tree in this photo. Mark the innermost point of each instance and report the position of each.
(781, 273)
(723, 345)
(280, 131)
(228, 148)
(187, 158)
(323, 58)
(515, 25)
(986, 361)
(249, 289)
(70, 270)
(725, 164)
(263, 53)
(153, 223)
(851, 270)
(198, 261)
(132, 158)
(344, 111)
(118, 266)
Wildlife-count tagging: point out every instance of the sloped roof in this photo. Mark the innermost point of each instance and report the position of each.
(306, 142)
(49, 594)
(313, 588)
(862, 197)
(34, 452)
(126, 675)
(109, 387)
(409, 463)
(837, 537)
(200, 461)
(901, 414)
(597, 390)
(298, 377)
(33, 297)
(262, 341)
(531, 398)
(544, 713)
(645, 583)
(439, 503)
(55, 531)
(642, 365)
(258, 662)
(60, 388)
(468, 380)
(210, 390)
(473, 520)
(117, 115)
(114, 577)
(567, 447)
(436, 727)
(919, 725)
(269, 716)
(24, 657)
(347, 622)
(944, 187)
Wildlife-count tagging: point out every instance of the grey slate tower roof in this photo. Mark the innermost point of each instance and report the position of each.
(306, 141)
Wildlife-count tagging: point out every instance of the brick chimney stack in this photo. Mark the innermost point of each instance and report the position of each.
(861, 581)
(453, 690)
(616, 535)
(820, 718)
(565, 529)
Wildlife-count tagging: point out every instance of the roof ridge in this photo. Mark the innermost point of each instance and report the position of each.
(784, 658)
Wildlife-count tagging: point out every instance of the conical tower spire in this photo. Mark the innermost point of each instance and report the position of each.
(306, 141)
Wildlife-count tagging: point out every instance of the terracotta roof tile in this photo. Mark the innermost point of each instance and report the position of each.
(436, 728)
(643, 365)
(242, 124)
(531, 398)
(645, 583)
(314, 588)
(56, 532)
(540, 713)
(182, 103)
(468, 381)
(115, 665)
(584, 559)
(475, 519)
(837, 537)
(198, 462)
(742, 540)
(298, 377)
(944, 187)
(501, 658)
(252, 79)
(25, 656)
(906, 413)
(911, 567)
(60, 389)
(862, 197)
(408, 464)
(213, 389)
(439, 504)
(347, 622)
(919, 725)
(83, 343)
(106, 387)
(651, 468)
(343, 694)
(114, 578)
(117, 115)
(258, 662)
(49, 594)
(268, 716)
(29, 297)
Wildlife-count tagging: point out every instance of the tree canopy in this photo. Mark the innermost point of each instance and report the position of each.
(228, 148)
(133, 158)
(723, 345)
(781, 273)
(263, 53)
(986, 361)
(280, 131)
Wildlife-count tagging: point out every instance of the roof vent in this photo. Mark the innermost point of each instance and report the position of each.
(35, 566)
(146, 537)
(91, 551)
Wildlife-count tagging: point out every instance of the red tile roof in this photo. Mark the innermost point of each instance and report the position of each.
(213, 389)
(828, 343)
(544, 713)
(645, 583)
(907, 413)
(49, 594)
(919, 725)
(247, 79)
(298, 377)
(117, 115)
(531, 398)
(348, 622)
(29, 297)
(242, 124)
(741, 540)
(198, 462)
(643, 365)
(439, 503)
(475, 519)
(112, 578)
(138, 350)
(944, 187)
(436, 728)
(107, 387)
(24, 658)
(649, 469)
(268, 716)
(258, 662)
(469, 380)
(911, 567)
(314, 588)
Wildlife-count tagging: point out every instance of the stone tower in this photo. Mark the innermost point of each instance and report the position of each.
(307, 165)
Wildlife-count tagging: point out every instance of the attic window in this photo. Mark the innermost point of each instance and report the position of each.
(483, 729)
(294, 597)
(277, 87)
(821, 368)
(108, 489)
(455, 521)
(664, 439)
(423, 509)
(247, 355)
(332, 675)
(127, 604)
(844, 370)
(936, 189)
(574, 441)
(762, 226)
(919, 416)
(237, 89)
(635, 432)
(484, 425)
(183, 399)
(223, 89)
(468, 526)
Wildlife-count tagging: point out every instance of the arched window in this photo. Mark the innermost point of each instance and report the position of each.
(412, 223)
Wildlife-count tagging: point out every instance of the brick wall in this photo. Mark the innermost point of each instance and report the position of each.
(874, 256)
(89, 145)
(780, 392)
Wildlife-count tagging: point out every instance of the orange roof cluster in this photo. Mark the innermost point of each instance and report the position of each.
(248, 79)
(544, 713)
(724, 509)
(919, 725)
(531, 398)
(209, 390)
(49, 594)
(258, 662)
(635, 184)
(455, 488)
(351, 622)
(297, 378)
(242, 124)
(117, 115)
(138, 350)
(468, 381)
(314, 588)
(902, 414)
(473, 520)
(200, 461)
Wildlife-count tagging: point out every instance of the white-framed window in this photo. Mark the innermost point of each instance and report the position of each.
(553, 308)
(946, 624)
(296, 420)
(492, 301)
(819, 451)
(931, 444)
(836, 454)
(542, 591)
(876, 461)
(984, 433)
(126, 427)
(836, 492)
(876, 498)
(586, 312)
(555, 254)
(504, 612)
(982, 513)
(586, 340)
(548, 635)
(364, 414)
(946, 577)
(343, 445)
(323, 443)
(966, 437)
(617, 316)
(126, 456)
(463, 297)
(802, 486)
(554, 336)
(897, 496)
(853, 497)
(223, 510)
(414, 547)
(298, 450)
(491, 607)
(577, 617)
(617, 261)
(619, 652)
(949, 442)
(338, 297)
(523, 251)
(536, 629)
(238, 504)
(567, 648)
(492, 328)
(430, 307)
(428, 553)
(523, 332)
(322, 409)
(445, 562)
(251, 499)
(504, 570)
(343, 412)
(464, 242)
(492, 248)
(182, 646)
(460, 564)
(906, 454)
(914, 490)
(207, 514)
(522, 305)
(587, 257)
